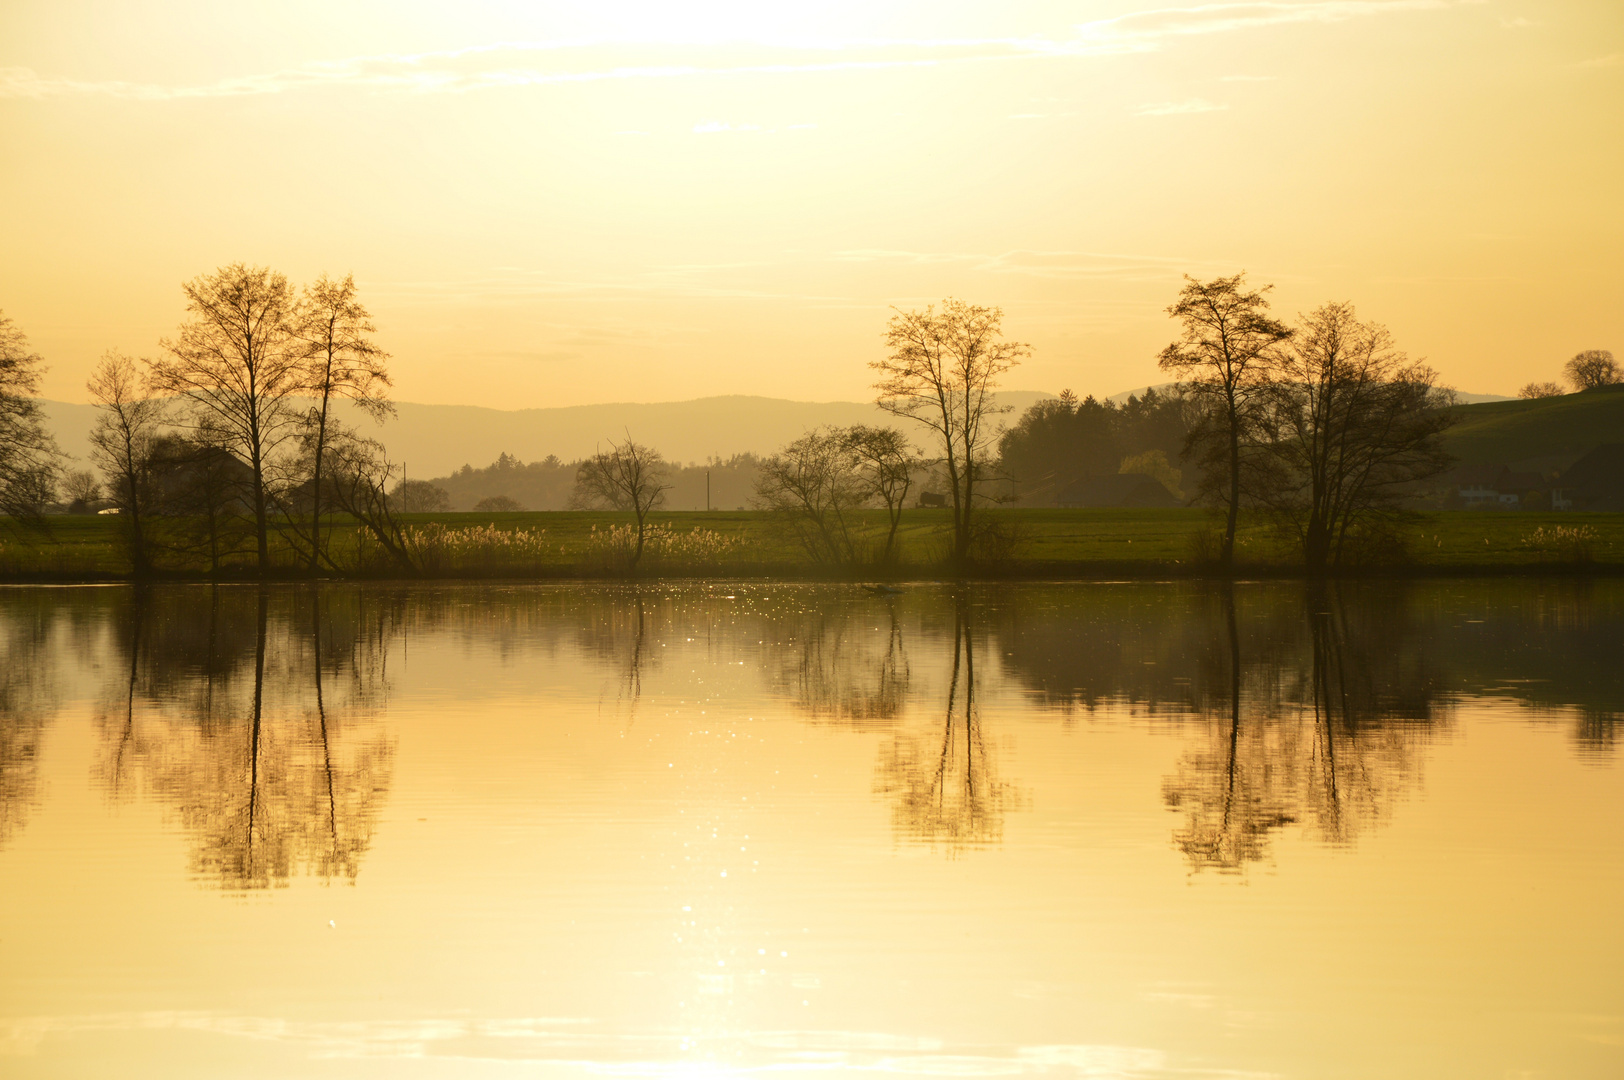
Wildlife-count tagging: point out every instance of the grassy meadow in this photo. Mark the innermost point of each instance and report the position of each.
(1016, 543)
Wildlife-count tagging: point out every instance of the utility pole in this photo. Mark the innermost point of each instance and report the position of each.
(707, 491)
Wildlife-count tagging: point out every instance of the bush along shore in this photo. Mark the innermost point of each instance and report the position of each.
(1010, 543)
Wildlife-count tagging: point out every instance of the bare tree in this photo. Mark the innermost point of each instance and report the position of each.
(943, 372)
(1354, 423)
(80, 489)
(1593, 369)
(358, 477)
(885, 463)
(239, 362)
(813, 486)
(420, 497)
(627, 476)
(28, 454)
(1224, 358)
(1536, 390)
(121, 445)
(341, 362)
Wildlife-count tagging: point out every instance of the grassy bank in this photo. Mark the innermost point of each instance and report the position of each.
(1020, 543)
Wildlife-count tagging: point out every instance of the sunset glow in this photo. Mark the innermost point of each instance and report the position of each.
(562, 204)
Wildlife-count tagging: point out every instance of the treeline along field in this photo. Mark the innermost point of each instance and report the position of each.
(1311, 446)
(1021, 543)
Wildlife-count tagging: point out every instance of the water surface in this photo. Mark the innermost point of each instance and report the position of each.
(1141, 830)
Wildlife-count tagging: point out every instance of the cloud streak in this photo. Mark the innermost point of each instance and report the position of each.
(501, 65)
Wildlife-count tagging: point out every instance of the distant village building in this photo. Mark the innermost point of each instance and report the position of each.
(1594, 482)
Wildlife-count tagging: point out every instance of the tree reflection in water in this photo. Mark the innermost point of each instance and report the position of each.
(253, 714)
(27, 702)
(1331, 745)
(227, 717)
(944, 783)
(828, 660)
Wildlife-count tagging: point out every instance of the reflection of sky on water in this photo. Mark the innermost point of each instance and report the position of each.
(722, 831)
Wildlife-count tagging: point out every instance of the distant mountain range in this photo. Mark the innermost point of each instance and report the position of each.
(433, 440)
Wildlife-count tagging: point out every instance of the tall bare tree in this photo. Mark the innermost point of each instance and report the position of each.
(28, 454)
(121, 444)
(627, 476)
(1354, 423)
(239, 361)
(943, 372)
(1593, 369)
(341, 362)
(1224, 358)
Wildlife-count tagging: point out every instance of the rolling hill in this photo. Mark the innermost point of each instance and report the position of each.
(1543, 435)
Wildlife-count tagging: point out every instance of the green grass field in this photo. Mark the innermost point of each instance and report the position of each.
(1023, 543)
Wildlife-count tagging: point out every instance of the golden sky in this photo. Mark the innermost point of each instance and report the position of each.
(556, 204)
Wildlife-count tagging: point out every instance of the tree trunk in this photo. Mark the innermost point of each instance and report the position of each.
(315, 494)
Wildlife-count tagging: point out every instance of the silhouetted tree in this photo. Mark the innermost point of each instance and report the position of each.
(121, 444)
(1353, 424)
(239, 362)
(1224, 358)
(1536, 390)
(80, 489)
(341, 361)
(1593, 369)
(498, 504)
(420, 497)
(885, 465)
(628, 476)
(814, 487)
(28, 454)
(943, 372)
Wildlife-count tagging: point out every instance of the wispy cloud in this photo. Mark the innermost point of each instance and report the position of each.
(1179, 108)
(1249, 78)
(1223, 18)
(1611, 60)
(542, 63)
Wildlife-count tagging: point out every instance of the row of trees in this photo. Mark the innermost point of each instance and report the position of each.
(235, 419)
(1326, 425)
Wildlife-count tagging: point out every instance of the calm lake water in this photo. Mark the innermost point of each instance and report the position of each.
(1139, 830)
